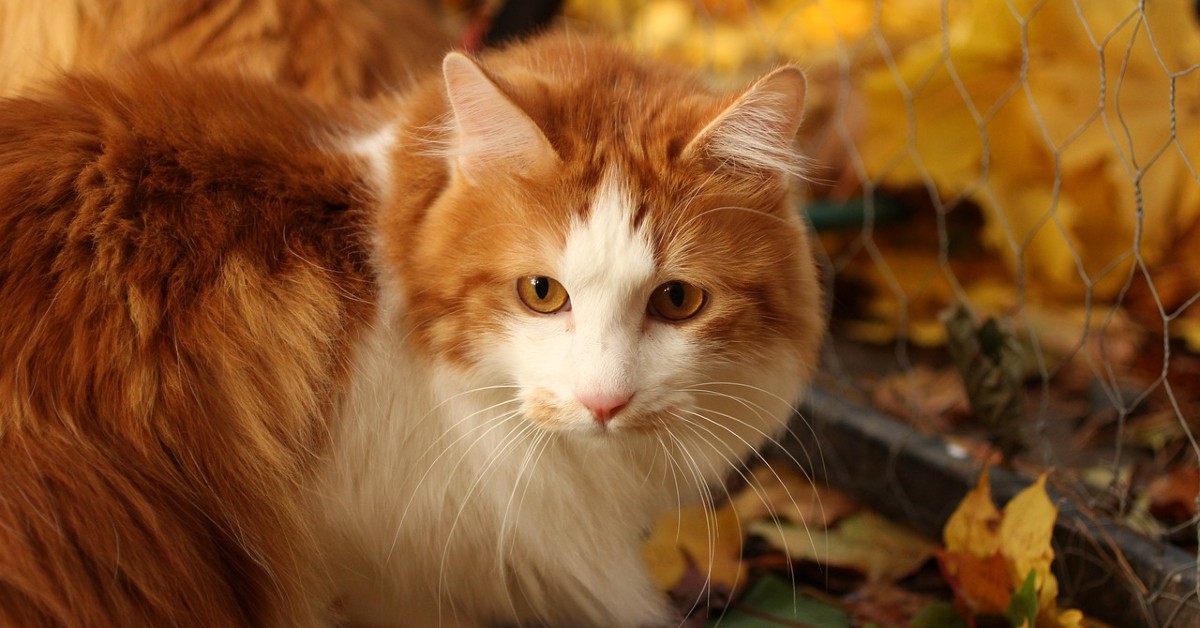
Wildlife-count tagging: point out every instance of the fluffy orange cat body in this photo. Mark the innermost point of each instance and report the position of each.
(442, 362)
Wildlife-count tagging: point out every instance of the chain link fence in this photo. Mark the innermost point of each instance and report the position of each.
(1032, 162)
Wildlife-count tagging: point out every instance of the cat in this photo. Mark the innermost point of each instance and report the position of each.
(439, 360)
(333, 49)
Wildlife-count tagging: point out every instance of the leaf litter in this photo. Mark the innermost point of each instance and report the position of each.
(784, 551)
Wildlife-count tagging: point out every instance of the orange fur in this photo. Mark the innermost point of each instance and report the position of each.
(186, 266)
(333, 49)
(161, 238)
(598, 108)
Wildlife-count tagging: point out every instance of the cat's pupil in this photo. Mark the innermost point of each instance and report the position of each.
(675, 293)
(541, 286)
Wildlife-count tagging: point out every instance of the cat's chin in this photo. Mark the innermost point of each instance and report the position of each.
(634, 426)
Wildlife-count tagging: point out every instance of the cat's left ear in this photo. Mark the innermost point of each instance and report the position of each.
(757, 132)
(491, 131)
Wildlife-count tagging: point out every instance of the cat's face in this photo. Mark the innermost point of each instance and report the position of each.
(619, 276)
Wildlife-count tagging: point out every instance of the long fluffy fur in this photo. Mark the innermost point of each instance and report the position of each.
(499, 521)
(333, 49)
(262, 361)
(182, 267)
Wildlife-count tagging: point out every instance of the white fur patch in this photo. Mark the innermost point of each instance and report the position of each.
(443, 504)
(376, 148)
(601, 348)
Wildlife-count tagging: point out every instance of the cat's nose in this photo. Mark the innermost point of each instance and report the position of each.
(604, 406)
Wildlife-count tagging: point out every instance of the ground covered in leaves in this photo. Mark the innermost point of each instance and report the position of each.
(783, 551)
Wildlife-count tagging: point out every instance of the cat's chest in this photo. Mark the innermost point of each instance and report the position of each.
(429, 477)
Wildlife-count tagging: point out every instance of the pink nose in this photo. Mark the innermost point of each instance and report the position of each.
(604, 406)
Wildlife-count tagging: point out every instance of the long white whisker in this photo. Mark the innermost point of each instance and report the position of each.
(708, 504)
(509, 441)
(502, 531)
(671, 465)
(429, 468)
(540, 444)
(697, 388)
(759, 491)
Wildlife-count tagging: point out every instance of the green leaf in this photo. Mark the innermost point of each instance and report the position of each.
(938, 615)
(772, 602)
(1024, 604)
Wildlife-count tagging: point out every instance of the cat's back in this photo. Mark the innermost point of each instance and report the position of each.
(182, 262)
(333, 49)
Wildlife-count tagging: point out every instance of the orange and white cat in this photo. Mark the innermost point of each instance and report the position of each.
(437, 363)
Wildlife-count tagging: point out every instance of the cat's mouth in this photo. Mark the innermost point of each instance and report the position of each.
(552, 412)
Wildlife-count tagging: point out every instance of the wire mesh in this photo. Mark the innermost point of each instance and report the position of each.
(1035, 161)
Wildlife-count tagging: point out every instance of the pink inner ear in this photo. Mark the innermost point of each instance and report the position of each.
(491, 132)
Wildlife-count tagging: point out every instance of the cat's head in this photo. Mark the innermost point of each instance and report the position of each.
(613, 240)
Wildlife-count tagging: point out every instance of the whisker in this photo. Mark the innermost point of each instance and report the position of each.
(510, 440)
(421, 481)
(758, 489)
(708, 504)
(697, 388)
(540, 444)
(804, 472)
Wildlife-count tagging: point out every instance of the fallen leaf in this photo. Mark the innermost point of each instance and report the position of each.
(938, 615)
(1021, 535)
(1155, 431)
(711, 540)
(1023, 608)
(981, 584)
(886, 604)
(975, 525)
(1025, 535)
(880, 550)
(783, 491)
(772, 602)
(1173, 495)
(926, 398)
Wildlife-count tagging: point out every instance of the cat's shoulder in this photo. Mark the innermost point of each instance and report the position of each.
(147, 112)
(182, 151)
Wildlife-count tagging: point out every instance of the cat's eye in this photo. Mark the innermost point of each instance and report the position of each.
(676, 301)
(542, 294)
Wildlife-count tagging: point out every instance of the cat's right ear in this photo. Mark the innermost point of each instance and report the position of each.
(490, 131)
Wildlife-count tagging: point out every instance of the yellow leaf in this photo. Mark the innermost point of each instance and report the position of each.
(1025, 536)
(1067, 619)
(712, 541)
(664, 560)
(1021, 534)
(879, 549)
(975, 525)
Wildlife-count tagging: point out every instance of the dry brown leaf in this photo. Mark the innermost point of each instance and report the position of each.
(783, 491)
(927, 398)
(982, 584)
(1173, 494)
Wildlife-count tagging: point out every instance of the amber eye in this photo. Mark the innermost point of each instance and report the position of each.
(676, 301)
(542, 294)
